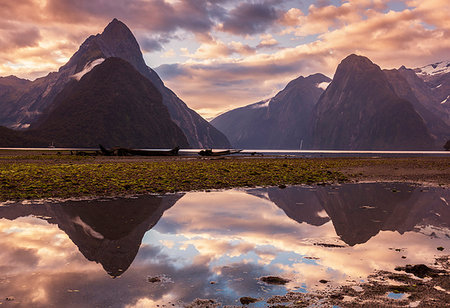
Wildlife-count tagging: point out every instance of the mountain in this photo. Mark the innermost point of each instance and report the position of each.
(113, 105)
(283, 122)
(360, 111)
(437, 77)
(37, 100)
(409, 86)
(20, 139)
(109, 233)
(11, 88)
(432, 71)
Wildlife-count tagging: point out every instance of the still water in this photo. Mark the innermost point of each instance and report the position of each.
(106, 253)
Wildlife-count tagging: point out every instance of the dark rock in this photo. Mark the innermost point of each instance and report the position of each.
(154, 279)
(329, 245)
(248, 300)
(274, 280)
(419, 270)
(337, 296)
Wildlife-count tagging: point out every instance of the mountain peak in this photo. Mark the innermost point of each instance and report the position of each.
(116, 27)
(356, 61)
(370, 114)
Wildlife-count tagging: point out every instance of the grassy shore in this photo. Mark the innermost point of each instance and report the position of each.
(24, 176)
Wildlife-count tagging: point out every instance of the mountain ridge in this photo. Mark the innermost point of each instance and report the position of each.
(280, 122)
(419, 122)
(360, 110)
(116, 40)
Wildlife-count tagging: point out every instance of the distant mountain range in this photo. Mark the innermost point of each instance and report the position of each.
(362, 108)
(29, 105)
(107, 94)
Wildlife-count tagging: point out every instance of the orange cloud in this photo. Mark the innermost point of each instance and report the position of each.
(220, 67)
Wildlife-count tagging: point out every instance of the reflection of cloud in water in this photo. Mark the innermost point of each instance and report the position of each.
(231, 238)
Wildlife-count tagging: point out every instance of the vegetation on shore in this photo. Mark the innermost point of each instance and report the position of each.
(31, 180)
(46, 176)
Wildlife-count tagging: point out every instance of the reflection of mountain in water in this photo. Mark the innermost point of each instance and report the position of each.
(108, 232)
(298, 203)
(359, 211)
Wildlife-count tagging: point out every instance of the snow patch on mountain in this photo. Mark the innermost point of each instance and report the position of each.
(434, 69)
(87, 68)
(445, 100)
(323, 85)
(262, 104)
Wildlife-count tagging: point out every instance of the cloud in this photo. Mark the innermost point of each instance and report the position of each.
(267, 41)
(250, 18)
(213, 49)
(17, 36)
(149, 44)
(244, 50)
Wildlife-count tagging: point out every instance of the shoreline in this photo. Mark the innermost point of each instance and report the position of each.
(44, 176)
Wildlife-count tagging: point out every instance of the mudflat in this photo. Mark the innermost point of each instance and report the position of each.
(34, 175)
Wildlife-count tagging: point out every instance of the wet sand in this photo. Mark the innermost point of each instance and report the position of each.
(430, 171)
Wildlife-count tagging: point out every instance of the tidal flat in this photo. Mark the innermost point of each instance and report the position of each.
(40, 175)
(345, 245)
(258, 231)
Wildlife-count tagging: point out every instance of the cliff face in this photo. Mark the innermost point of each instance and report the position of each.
(408, 86)
(360, 110)
(283, 122)
(112, 105)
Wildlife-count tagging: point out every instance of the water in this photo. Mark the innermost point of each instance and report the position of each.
(268, 152)
(214, 244)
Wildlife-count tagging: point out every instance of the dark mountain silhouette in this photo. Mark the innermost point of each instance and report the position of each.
(22, 139)
(283, 122)
(11, 88)
(360, 110)
(113, 105)
(115, 41)
(109, 233)
(408, 86)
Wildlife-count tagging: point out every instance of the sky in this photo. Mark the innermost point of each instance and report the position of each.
(217, 55)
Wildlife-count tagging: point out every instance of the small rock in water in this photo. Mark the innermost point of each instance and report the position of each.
(440, 248)
(282, 186)
(274, 280)
(248, 300)
(419, 270)
(323, 281)
(154, 279)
